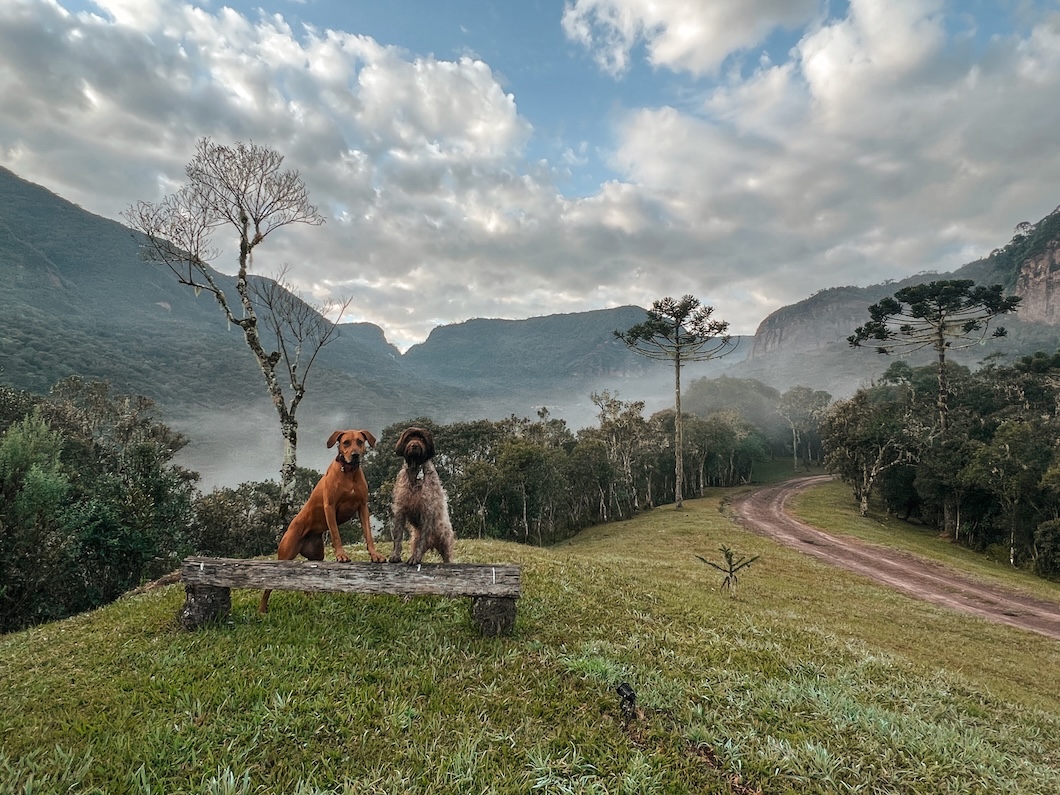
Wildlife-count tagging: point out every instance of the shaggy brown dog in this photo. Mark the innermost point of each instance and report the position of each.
(337, 497)
(420, 503)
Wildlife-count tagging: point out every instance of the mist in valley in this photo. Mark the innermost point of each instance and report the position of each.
(231, 447)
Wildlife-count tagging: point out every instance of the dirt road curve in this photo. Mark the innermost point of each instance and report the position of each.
(762, 512)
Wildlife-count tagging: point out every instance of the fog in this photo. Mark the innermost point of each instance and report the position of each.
(234, 447)
(227, 449)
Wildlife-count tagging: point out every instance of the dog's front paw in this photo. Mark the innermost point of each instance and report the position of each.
(377, 558)
(415, 560)
(341, 556)
(395, 558)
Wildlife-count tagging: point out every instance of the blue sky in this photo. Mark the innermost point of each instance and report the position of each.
(514, 159)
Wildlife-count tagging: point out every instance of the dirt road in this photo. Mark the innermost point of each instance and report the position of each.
(762, 512)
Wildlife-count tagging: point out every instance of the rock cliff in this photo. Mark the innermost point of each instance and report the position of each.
(824, 319)
(1028, 266)
(1038, 284)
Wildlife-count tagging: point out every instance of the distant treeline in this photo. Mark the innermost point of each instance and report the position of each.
(538, 482)
(91, 504)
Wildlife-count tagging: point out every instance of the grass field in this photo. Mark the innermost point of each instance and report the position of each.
(810, 681)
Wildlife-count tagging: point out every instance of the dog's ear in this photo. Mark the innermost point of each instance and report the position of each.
(334, 438)
(369, 437)
(399, 445)
(429, 439)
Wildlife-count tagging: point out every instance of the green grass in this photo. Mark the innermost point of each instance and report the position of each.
(811, 681)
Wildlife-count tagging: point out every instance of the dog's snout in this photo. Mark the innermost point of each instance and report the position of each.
(352, 453)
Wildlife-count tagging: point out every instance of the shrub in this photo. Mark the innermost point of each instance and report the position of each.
(89, 504)
(245, 521)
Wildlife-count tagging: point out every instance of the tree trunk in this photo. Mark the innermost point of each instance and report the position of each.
(289, 430)
(942, 401)
(863, 489)
(249, 324)
(526, 520)
(679, 436)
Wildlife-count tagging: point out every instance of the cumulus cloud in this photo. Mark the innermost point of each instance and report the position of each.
(686, 35)
(886, 140)
(879, 149)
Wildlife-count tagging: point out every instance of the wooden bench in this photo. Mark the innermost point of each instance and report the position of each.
(493, 588)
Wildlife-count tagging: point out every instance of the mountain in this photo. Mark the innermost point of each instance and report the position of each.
(551, 361)
(78, 299)
(808, 340)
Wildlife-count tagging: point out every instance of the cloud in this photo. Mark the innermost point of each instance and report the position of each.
(888, 140)
(852, 161)
(680, 35)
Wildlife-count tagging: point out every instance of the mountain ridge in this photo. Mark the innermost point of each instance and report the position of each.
(80, 300)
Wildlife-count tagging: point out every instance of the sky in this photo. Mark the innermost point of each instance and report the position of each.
(512, 159)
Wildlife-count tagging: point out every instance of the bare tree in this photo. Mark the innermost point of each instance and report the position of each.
(679, 331)
(299, 331)
(242, 188)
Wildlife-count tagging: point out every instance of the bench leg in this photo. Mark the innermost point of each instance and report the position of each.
(203, 604)
(495, 615)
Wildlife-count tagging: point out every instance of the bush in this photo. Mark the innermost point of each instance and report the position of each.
(236, 523)
(246, 521)
(90, 505)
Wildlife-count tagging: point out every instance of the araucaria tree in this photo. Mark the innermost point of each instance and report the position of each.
(679, 331)
(242, 188)
(942, 315)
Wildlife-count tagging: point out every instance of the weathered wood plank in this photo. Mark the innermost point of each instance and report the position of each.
(441, 579)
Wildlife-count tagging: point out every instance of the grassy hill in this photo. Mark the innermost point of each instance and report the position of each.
(812, 681)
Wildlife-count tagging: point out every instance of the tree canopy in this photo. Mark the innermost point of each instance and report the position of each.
(952, 313)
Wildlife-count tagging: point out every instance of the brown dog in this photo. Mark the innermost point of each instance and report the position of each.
(420, 503)
(340, 494)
